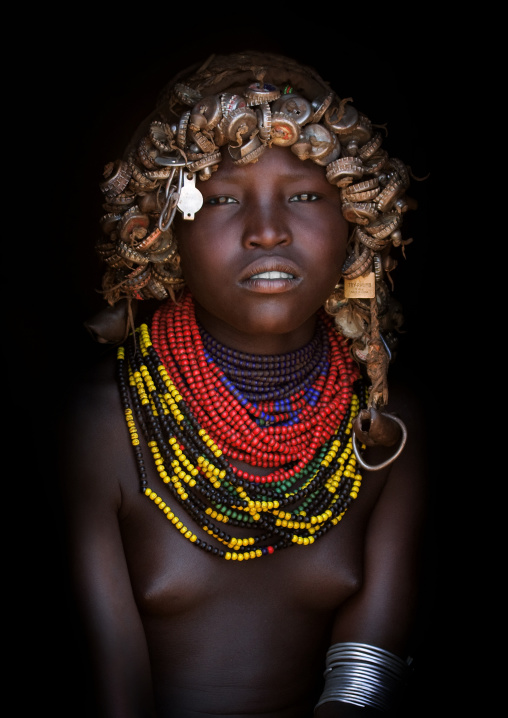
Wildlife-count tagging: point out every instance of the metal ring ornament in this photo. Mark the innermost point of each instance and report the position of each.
(391, 459)
(172, 196)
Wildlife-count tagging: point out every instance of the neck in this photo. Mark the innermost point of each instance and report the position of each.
(267, 343)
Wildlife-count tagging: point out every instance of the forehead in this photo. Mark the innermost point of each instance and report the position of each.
(274, 162)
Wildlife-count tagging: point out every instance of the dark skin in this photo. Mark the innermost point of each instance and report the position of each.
(175, 632)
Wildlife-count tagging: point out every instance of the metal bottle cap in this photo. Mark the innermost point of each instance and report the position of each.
(240, 122)
(341, 121)
(285, 130)
(295, 106)
(257, 93)
(206, 113)
(186, 94)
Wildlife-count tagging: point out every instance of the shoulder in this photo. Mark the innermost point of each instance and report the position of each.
(399, 492)
(402, 482)
(407, 478)
(92, 395)
(94, 441)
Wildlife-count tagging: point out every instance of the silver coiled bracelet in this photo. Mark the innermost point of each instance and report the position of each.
(364, 676)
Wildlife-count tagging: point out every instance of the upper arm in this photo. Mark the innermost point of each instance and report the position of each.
(383, 612)
(94, 455)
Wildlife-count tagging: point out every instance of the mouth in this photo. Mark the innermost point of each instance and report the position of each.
(271, 276)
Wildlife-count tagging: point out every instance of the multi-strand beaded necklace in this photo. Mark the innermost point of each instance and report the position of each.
(201, 407)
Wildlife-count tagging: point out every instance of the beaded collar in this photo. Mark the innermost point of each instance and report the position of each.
(201, 407)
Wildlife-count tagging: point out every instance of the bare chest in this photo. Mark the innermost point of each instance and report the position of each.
(171, 574)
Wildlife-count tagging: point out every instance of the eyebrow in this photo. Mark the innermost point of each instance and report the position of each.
(226, 177)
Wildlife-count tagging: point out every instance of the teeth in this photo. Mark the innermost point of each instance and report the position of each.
(273, 275)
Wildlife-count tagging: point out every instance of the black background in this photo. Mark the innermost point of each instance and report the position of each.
(85, 90)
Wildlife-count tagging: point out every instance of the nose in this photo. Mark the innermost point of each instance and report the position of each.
(266, 227)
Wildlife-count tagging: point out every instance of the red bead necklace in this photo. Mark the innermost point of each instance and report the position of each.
(235, 424)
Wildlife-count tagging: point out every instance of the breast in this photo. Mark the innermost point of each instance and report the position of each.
(170, 575)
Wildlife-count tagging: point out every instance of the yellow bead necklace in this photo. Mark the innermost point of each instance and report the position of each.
(199, 478)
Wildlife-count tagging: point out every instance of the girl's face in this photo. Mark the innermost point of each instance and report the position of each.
(264, 252)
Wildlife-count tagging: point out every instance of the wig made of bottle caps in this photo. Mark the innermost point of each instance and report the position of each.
(245, 104)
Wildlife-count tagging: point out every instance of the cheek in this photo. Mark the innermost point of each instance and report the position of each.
(203, 261)
(191, 244)
(200, 236)
(334, 235)
(329, 270)
(329, 254)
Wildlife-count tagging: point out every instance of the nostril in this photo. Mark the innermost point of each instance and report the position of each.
(267, 237)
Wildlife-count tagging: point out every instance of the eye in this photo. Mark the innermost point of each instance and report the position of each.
(305, 197)
(222, 199)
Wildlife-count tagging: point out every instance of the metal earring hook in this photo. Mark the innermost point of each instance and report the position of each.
(172, 191)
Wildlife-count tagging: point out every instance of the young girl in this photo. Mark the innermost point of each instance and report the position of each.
(245, 493)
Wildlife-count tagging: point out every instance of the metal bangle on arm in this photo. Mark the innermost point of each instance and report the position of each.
(364, 675)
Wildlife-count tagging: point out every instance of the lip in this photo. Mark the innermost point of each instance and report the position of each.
(251, 280)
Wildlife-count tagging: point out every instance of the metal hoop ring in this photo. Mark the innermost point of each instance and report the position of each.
(389, 461)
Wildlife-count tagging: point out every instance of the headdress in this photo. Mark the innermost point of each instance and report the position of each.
(244, 104)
